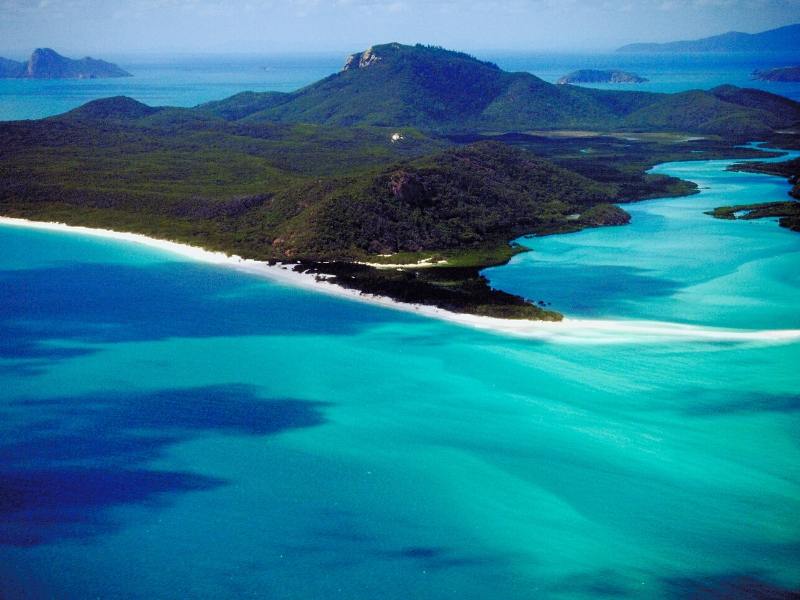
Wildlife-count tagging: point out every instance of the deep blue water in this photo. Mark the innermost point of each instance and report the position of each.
(187, 81)
(172, 429)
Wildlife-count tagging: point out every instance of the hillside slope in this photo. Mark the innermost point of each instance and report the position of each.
(442, 91)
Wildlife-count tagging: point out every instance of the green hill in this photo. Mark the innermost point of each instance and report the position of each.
(477, 196)
(301, 192)
(277, 190)
(442, 91)
(355, 168)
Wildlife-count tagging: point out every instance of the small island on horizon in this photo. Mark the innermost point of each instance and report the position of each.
(601, 76)
(46, 63)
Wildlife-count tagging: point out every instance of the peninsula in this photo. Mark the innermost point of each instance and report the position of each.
(46, 63)
(788, 212)
(380, 178)
(600, 76)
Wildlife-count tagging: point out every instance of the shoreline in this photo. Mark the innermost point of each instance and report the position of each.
(579, 331)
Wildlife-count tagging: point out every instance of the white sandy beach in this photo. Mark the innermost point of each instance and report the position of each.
(580, 331)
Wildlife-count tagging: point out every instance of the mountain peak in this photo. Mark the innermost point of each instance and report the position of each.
(397, 53)
(46, 52)
(438, 90)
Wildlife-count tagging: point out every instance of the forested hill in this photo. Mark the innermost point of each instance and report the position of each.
(277, 191)
(443, 91)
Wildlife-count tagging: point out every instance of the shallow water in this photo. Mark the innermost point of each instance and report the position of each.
(173, 429)
(673, 262)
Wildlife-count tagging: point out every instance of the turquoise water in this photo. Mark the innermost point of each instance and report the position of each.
(171, 429)
(188, 81)
(674, 263)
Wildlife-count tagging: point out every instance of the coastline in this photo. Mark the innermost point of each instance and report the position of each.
(579, 331)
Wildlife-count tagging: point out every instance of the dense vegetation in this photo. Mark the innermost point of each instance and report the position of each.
(238, 176)
(789, 169)
(278, 192)
(788, 212)
(437, 90)
(474, 196)
(600, 76)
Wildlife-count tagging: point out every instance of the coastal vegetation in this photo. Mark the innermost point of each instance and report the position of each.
(600, 76)
(788, 212)
(414, 157)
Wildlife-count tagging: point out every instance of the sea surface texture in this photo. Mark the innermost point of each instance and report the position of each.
(175, 430)
(188, 81)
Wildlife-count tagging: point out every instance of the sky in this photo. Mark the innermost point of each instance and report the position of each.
(117, 27)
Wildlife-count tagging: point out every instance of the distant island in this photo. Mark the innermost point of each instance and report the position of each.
(403, 175)
(783, 39)
(599, 76)
(46, 63)
(780, 74)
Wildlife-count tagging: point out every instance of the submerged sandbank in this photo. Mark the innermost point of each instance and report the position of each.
(580, 331)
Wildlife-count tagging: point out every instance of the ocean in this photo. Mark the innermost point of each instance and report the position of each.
(176, 429)
(191, 80)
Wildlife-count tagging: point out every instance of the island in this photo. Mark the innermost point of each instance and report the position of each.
(782, 39)
(46, 63)
(600, 76)
(380, 178)
(780, 74)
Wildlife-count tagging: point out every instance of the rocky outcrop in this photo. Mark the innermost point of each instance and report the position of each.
(598, 76)
(361, 61)
(46, 63)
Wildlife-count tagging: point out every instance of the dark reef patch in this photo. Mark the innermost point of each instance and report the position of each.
(734, 586)
(64, 461)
